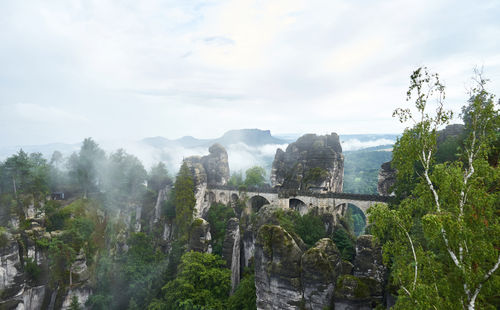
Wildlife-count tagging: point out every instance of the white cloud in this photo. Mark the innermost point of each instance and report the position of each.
(200, 68)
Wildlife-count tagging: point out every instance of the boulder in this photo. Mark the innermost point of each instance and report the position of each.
(311, 163)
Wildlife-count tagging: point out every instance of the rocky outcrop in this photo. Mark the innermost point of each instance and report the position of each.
(320, 266)
(79, 269)
(200, 237)
(277, 269)
(11, 274)
(365, 288)
(386, 179)
(212, 170)
(231, 251)
(216, 165)
(311, 163)
(368, 261)
(82, 294)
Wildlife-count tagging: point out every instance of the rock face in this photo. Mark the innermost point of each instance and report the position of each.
(216, 165)
(311, 163)
(320, 267)
(368, 260)
(290, 276)
(200, 237)
(365, 288)
(11, 275)
(386, 179)
(82, 293)
(277, 269)
(212, 170)
(231, 251)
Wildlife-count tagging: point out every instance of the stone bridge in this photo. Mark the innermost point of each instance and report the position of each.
(301, 201)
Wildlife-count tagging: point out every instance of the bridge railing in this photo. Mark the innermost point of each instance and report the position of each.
(288, 193)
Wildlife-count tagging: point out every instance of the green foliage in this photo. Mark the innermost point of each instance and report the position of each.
(184, 201)
(202, 283)
(75, 304)
(55, 215)
(4, 239)
(236, 179)
(345, 242)
(255, 177)
(84, 167)
(309, 227)
(158, 177)
(356, 219)
(124, 180)
(244, 298)
(32, 269)
(218, 216)
(441, 240)
(61, 256)
(361, 170)
(313, 176)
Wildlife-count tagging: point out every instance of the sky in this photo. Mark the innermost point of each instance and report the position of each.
(117, 70)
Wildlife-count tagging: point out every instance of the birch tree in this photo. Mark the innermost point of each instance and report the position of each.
(443, 239)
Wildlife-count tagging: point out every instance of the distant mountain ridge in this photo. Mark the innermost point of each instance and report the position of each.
(250, 137)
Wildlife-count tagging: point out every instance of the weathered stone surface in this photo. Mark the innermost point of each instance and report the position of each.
(200, 237)
(212, 170)
(82, 293)
(79, 269)
(11, 275)
(386, 179)
(320, 267)
(216, 165)
(231, 250)
(368, 260)
(277, 269)
(33, 297)
(311, 163)
(352, 293)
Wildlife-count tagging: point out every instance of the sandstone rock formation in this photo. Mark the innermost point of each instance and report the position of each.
(213, 170)
(200, 237)
(231, 250)
(320, 266)
(290, 276)
(311, 163)
(386, 179)
(216, 165)
(277, 269)
(365, 288)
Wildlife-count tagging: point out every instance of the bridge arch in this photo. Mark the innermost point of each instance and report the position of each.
(256, 202)
(298, 205)
(211, 197)
(359, 219)
(222, 197)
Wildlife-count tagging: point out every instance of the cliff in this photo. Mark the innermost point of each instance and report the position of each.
(311, 163)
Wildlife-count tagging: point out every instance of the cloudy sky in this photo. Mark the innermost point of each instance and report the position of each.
(72, 69)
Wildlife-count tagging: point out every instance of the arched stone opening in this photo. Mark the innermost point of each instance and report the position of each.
(256, 202)
(298, 205)
(211, 197)
(222, 198)
(234, 198)
(358, 218)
